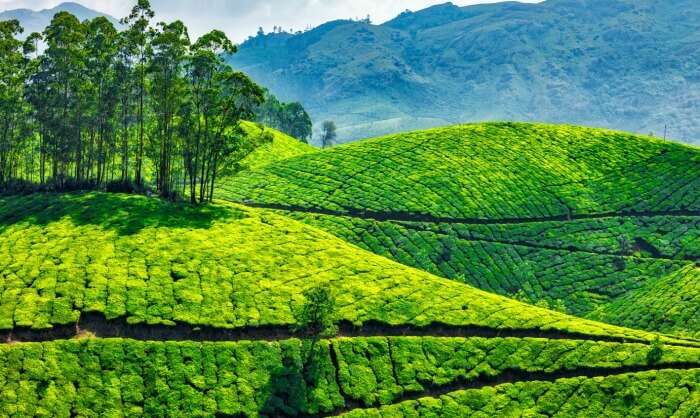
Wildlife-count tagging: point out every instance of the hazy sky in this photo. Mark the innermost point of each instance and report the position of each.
(241, 18)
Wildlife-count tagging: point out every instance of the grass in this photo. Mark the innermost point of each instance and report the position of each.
(485, 171)
(114, 377)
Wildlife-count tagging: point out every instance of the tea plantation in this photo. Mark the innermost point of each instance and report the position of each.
(664, 393)
(221, 265)
(115, 377)
(586, 221)
(576, 266)
(491, 172)
(561, 303)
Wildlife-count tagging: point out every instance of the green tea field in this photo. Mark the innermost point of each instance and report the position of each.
(596, 223)
(575, 299)
(185, 230)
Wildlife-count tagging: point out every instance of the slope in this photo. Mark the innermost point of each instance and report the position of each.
(573, 218)
(282, 147)
(127, 305)
(670, 304)
(222, 266)
(495, 172)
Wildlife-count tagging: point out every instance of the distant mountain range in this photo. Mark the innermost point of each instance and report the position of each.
(624, 64)
(36, 21)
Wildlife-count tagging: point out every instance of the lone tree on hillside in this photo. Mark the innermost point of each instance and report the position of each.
(656, 351)
(328, 133)
(315, 320)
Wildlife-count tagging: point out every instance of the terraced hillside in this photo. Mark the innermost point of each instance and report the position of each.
(583, 220)
(114, 305)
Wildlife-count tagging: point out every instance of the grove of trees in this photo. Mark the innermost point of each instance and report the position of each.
(290, 118)
(85, 105)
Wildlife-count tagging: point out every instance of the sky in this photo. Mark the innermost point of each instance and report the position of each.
(241, 18)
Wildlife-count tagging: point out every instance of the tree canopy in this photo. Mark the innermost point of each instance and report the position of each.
(143, 108)
(290, 118)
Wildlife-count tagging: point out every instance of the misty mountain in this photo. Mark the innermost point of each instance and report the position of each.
(36, 21)
(624, 64)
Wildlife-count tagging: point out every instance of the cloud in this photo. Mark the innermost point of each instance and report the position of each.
(241, 18)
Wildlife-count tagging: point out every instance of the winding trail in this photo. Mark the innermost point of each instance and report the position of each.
(653, 252)
(424, 217)
(510, 376)
(99, 326)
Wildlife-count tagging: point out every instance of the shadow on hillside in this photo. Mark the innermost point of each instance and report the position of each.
(125, 214)
(290, 390)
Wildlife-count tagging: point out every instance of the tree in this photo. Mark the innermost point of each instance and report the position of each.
(170, 44)
(12, 79)
(296, 122)
(100, 95)
(328, 134)
(316, 320)
(60, 81)
(656, 351)
(236, 100)
(137, 40)
(124, 85)
(290, 118)
(76, 105)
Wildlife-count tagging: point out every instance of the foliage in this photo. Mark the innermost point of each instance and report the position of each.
(290, 118)
(570, 266)
(656, 351)
(281, 147)
(127, 377)
(664, 393)
(670, 304)
(13, 71)
(102, 107)
(328, 134)
(316, 318)
(566, 216)
(222, 266)
(486, 171)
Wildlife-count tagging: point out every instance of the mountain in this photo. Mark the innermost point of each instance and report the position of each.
(624, 64)
(36, 21)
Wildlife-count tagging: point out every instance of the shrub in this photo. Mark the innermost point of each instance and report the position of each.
(655, 352)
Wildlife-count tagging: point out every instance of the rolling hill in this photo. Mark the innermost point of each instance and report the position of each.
(281, 147)
(622, 64)
(591, 222)
(127, 305)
